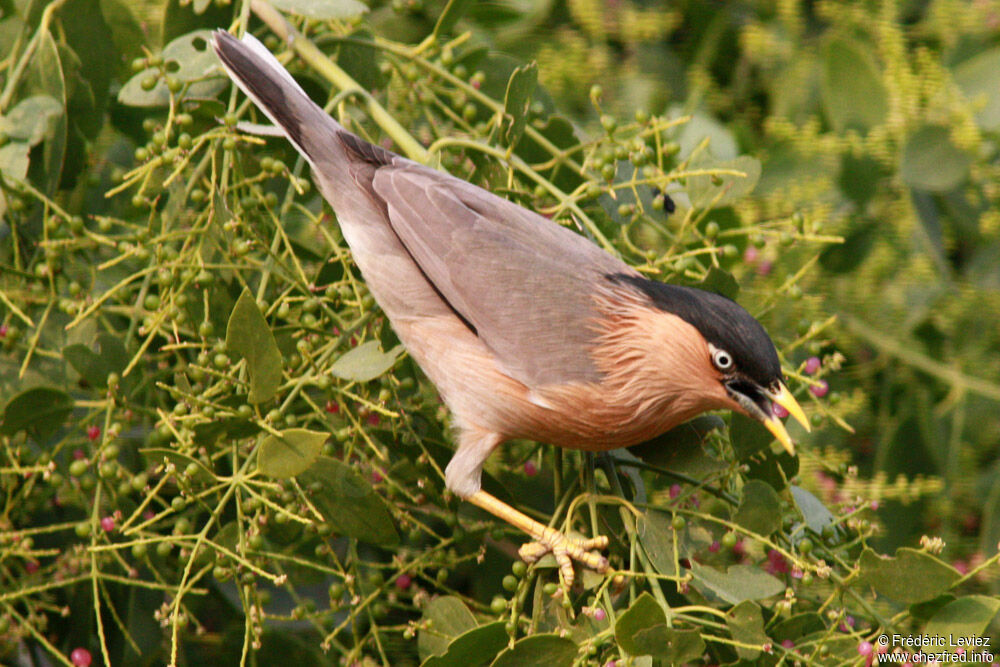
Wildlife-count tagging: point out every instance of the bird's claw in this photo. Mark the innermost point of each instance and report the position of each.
(566, 550)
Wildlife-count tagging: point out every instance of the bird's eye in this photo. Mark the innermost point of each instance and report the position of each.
(722, 359)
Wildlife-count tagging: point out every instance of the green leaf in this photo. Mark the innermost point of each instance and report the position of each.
(963, 621)
(30, 120)
(322, 10)
(40, 410)
(979, 79)
(853, 94)
(543, 650)
(930, 161)
(815, 513)
(722, 144)
(196, 64)
(232, 428)
(452, 12)
(672, 646)
(738, 583)
(14, 160)
(478, 646)
(657, 539)
(721, 282)
(445, 618)
(773, 468)
(95, 367)
(125, 30)
(45, 76)
(746, 625)
(911, 576)
(680, 449)
(517, 102)
(347, 501)
(798, 626)
(760, 509)
(748, 436)
(290, 453)
(365, 362)
(721, 190)
(847, 256)
(643, 614)
(249, 336)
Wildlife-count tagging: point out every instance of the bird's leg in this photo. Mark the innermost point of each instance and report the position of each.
(565, 549)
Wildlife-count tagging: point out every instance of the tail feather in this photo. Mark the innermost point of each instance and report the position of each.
(259, 74)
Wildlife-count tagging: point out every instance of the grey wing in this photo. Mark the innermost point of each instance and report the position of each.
(524, 283)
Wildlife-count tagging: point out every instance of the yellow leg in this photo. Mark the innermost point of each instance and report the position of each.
(565, 549)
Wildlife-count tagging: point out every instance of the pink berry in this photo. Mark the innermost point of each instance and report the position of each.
(403, 581)
(764, 268)
(812, 365)
(373, 419)
(714, 547)
(332, 407)
(107, 524)
(530, 469)
(820, 390)
(80, 657)
(148, 515)
(675, 490)
(874, 505)
(865, 648)
(78, 454)
(751, 254)
(788, 644)
(779, 411)
(93, 432)
(599, 614)
(376, 476)
(3, 330)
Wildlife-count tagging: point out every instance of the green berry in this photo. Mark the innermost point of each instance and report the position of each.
(498, 605)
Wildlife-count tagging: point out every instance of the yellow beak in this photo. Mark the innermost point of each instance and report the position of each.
(785, 399)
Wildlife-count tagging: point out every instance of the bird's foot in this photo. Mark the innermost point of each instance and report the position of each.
(566, 550)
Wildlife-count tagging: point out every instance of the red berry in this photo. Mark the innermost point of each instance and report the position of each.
(78, 454)
(80, 657)
(812, 365)
(93, 432)
(600, 614)
(403, 581)
(714, 547)
(107, 524)
(332, 407)
(31, 566)
(675, 490)
(820, 390)
(530, 469)
(779, 411)
(788, 644)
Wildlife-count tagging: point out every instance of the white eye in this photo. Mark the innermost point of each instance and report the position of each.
(722, 359)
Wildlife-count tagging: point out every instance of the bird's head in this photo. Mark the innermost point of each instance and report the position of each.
(732, 355)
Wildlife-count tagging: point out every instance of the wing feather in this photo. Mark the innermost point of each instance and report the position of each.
(524, 283)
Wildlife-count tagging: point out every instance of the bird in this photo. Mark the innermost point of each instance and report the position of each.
(527, 329)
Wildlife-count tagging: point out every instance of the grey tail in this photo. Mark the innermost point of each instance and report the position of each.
(259, 74)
